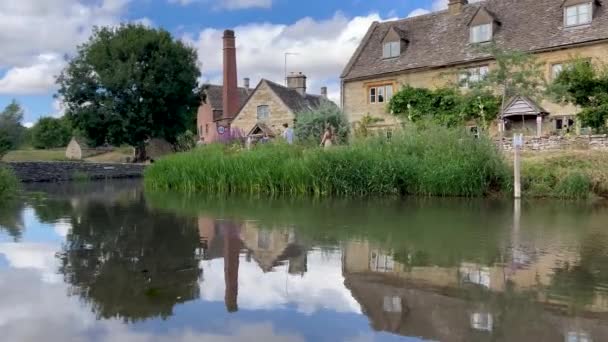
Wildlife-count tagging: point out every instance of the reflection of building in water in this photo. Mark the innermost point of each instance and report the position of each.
(463, 303)
(269, 248)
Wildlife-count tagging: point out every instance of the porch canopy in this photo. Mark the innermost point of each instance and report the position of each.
(523, 109)
(261, 129)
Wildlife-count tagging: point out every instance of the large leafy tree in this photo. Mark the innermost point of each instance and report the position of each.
(585, 85)
(11, 130)
(51, 133)
(129, 84)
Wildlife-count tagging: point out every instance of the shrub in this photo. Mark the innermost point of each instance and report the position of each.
(437, 161)
(8, 183)
(311, 124)
(51, 133)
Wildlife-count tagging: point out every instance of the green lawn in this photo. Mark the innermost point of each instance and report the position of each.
(35, 155)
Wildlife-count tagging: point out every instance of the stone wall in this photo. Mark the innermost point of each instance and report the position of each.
(29, 172)
(552, 143)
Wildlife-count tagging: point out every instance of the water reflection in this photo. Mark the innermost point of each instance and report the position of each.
(155, 267)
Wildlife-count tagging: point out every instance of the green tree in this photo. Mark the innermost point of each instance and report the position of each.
(130, 84)
(585, 85)
(11, 130)
(311, 124)
(51, 133)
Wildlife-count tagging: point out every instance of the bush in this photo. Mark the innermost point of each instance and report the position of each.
(8, 183)
(310, 125)
(437, 161)
(51, 133)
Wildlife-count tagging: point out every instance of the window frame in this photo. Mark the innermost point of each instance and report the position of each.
(267, 113)
(394, 49)
(588, 5)
(385, 90)
(473, 31)
(465, 77)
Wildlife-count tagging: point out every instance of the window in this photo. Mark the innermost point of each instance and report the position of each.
(263, 113)
(556, 69)
(472, 75)
(578, 14)
(559, 124)
(481, 33)
(391, 49)
(392, 304)
(482, 321)
(381, 262)
(380, 94)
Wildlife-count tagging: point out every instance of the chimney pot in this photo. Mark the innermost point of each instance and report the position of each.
(324, 92)
(246, 83)
(455, 6)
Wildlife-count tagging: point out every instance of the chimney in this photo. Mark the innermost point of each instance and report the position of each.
(455, 6)
(246, 83)
(230, 88)
(324, 92)
(297, 82)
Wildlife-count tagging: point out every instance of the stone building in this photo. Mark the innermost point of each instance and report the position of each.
(271, 105)
(440, 48)
(211, 124)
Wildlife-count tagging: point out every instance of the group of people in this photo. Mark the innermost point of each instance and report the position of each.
(326, 139)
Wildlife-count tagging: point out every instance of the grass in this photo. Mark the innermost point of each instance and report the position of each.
(35, 155)
(9, 185)
(432, 162)
(565, 174)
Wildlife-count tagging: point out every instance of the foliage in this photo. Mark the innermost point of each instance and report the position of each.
(185, 141)
(130, 83)
(446, 106)
(437, 161)
(311, 124)
(362, 130)
(585, 85)
(11, 130)
(8, 184)
(51, 133)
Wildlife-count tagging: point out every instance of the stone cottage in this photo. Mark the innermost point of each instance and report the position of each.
(272, 105)
(441, 48)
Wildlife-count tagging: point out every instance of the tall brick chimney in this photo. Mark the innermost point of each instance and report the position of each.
(297, 82)
(230, 88)
(455, 6)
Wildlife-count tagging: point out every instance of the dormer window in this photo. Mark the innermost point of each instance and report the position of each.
(481, 33)
(391, 49)
(579, 14)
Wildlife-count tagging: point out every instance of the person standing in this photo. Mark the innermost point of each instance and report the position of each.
(288, 134)
(328, 136)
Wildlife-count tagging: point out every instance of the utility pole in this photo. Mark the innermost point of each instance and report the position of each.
(288, 54)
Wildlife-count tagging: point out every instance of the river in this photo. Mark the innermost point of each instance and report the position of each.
(106, 261)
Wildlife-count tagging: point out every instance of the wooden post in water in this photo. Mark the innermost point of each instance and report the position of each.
(518, 143)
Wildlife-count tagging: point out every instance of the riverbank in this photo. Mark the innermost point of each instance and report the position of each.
(432, 162)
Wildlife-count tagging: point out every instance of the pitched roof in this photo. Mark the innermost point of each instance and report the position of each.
(440, 38)
(261, 129)
(522, 105)
(295, 101)
(213, 94)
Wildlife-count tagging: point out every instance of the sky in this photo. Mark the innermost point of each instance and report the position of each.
(36, 37)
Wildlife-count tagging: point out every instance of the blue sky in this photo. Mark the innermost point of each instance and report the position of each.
(323, 33)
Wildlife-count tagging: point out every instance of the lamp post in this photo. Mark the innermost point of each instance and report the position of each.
(288, 54)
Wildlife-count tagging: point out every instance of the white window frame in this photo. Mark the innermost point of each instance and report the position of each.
(381, 262)
(380, 94)
(472, 75)
(556, 69)
(391, 49)
(480, 33)
(263, 113)
(579, 17)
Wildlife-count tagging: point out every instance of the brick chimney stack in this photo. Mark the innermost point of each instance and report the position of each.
(297, 82)
(230, 88)
(455, 6)
(246, 83)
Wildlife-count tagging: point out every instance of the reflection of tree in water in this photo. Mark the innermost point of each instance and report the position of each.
(129, 262)
(11, 220)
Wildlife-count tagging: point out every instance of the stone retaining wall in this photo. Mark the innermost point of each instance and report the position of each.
(552, 143)
(29, 172)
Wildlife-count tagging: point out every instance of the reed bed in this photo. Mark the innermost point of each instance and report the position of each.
(428, 162)
(8, 183)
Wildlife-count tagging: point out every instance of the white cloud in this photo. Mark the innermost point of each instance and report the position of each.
(323, 48)
(228, 4)
(436, 5)
(33, 256)
(34, 34)
(144, 21)
(417, 12)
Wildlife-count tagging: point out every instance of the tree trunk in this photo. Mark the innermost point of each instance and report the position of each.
(140, 153)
